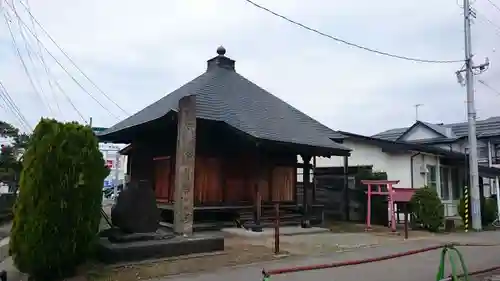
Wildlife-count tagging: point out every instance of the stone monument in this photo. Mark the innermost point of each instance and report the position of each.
(135, 216)
(136, 233)
(135, 210)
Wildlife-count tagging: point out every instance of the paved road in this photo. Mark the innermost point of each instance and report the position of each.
(5, 229)
(412, 268)
(490, 276)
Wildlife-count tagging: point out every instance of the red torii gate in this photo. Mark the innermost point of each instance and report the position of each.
(402, 195)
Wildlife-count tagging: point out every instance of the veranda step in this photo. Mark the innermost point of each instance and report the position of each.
(282, 217)
(203, 226)
(266, 224)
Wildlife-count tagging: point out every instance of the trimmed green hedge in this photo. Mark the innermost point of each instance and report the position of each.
(57, 213)
(488, 212)
(427, 209)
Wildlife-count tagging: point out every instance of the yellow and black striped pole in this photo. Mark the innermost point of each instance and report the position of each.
(466, 207)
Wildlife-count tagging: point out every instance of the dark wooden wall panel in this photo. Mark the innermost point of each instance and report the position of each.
(224, 180)
(263, 186)
(283, 183)
(163, 186)
(207, 184)
(237, 185)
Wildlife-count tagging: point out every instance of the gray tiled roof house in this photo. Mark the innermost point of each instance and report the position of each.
(485, 128)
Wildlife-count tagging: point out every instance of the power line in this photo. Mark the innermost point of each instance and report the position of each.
(60, 88)
(40, 56)
(65, 70)
(71, 60)
(28, 51)
(56, 83)
(9, 102)
(23, 63)
(490, 22)
(13, 106)
(489, 87)
(494, 5)
(347, 42)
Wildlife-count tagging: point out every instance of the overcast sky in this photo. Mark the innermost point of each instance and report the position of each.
(139, 51)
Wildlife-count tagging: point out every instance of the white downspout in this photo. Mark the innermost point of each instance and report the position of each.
(438, 177)
(497, 187)
(490, 154)
(490, 163)
(438, 184)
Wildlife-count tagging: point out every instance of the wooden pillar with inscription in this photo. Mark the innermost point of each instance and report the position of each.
(258, 176)
(345, 191)
(185, 166)
(306, 178)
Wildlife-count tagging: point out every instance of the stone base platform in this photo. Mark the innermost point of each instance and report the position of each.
(109, 252)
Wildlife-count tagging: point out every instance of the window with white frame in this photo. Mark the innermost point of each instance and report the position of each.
(431, 177)
(496, 154)
(445, 183)
(456, 184)
(450, 183)
(482, 154)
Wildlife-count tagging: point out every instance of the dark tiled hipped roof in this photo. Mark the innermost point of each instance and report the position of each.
(224, 95)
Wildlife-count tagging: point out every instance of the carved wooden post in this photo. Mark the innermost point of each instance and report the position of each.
(184, 166)
(405, 206)
(258, 209)
(314, 185)
(277, 228)
(257, 177)
(306, 178)
(346, 197)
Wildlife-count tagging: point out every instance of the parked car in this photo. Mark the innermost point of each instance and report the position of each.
(108, 191)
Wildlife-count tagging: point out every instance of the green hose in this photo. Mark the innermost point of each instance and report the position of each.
(441, 269)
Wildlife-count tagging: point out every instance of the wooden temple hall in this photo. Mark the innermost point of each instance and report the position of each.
(220, 151)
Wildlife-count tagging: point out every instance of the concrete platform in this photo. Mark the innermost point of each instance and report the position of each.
(284, 231)
(154, 249)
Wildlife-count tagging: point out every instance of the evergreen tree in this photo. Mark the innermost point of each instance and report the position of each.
(57, 213)
(10, 154)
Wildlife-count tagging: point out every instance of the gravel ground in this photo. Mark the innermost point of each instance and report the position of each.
(237, 252)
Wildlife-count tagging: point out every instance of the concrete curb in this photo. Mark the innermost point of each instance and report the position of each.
(4, 248)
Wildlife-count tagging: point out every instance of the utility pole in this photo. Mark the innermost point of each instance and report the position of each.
(471, 116)
(416, 110)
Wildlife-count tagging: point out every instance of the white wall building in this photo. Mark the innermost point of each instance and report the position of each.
(117, 171)
(423, 155)
(453, 137)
